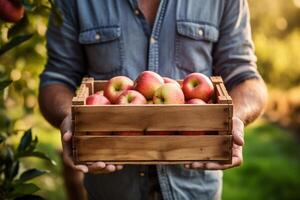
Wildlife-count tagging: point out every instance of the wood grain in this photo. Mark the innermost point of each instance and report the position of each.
(209, 117)
(147, 149)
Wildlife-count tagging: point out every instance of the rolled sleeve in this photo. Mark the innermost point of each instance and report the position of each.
(65, 62)
(234, 58)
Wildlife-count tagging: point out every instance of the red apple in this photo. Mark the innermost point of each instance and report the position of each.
(96, 99)
(11, 10)
(101, 92)
(196, 101)
(168, 93)
(169, 80)
(131, 97)
(197, 85)
(147, 83)
(116, 86)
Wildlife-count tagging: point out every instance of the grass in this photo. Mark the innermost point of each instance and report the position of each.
(271, 169)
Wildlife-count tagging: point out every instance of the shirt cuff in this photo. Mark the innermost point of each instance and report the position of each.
(50, 77)
(239, 75)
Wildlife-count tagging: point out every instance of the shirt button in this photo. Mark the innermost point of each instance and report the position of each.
(200, 32)
(97, 36)
(142, 174)
(136, 12)
(152, 40)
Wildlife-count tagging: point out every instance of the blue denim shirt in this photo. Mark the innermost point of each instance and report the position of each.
(106, 38)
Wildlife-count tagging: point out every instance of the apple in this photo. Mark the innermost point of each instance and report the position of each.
(131, 97)
(149, 102)
(169, 80)
(116, 86)
(195, 101)
(11, 10)
(96, 99)
(101, 92)
(147, 83)
(197, 85)
(168, 93)
(199, 102)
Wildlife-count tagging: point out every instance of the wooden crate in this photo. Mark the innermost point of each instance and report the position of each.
(89, 121)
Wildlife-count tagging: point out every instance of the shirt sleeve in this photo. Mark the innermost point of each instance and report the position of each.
(65, 62)
(234, 58)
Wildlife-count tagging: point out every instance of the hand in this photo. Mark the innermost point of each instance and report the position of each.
(97, 167)
(237, 150)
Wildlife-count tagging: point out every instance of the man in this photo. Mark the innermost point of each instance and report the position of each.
(105, 38)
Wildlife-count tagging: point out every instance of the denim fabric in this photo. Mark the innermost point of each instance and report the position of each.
(106, 38)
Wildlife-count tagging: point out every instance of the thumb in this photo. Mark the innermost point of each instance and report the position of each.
(67, 136)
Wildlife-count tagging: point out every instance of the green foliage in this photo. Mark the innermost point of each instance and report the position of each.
(12, 187)
(271, 167)
(276, 33)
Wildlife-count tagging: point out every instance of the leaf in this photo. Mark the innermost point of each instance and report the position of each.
(36, 154)
(5, 83)
(30, 197)
(11, 170)
(2, 138)
(32, 145)
(19, 27)
(30, 174)
(23, 189)
(25, 140)
(14, 42)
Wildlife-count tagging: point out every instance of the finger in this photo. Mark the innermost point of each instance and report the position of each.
(110, 168)
(238, 131)
(66, 124)
(188, 166)
(67, 136)
(197, 165)
(82, 168)
(96, 167)
(119, 167)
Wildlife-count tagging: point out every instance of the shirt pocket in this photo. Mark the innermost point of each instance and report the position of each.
(103, 49)
(194, 43)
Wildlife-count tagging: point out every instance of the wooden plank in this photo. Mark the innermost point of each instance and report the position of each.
(99, 85)
(209, 117)
(78, 101)
(216, 79)
(139, 149)
(89, 83)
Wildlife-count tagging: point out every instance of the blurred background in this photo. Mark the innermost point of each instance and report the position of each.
(271, 168)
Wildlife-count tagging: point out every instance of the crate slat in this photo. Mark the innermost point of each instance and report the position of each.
(152, 118)
(152, 149)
